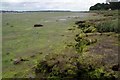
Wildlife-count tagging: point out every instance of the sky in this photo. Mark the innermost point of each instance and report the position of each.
(35, 5)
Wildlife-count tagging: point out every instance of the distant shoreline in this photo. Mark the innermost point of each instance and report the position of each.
(5, 11)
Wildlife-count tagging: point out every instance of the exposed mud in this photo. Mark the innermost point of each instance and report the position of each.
(107, 47)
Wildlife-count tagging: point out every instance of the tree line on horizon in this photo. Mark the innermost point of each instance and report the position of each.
(106, 6)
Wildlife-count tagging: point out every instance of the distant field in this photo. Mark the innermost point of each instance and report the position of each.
(22, 39)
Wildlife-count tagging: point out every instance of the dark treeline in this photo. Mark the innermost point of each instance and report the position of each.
(106, 6)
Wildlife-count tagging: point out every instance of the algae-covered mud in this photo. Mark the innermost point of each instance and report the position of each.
(55, 45)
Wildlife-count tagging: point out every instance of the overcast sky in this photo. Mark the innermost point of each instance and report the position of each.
(74, 5)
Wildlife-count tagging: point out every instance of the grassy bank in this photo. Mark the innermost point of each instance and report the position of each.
(61, 48)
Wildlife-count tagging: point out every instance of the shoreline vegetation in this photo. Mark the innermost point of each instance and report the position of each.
(75, 66)
(69, 45)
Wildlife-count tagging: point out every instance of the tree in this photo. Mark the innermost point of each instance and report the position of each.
(99, 6)
(114, 5)
(106, 6)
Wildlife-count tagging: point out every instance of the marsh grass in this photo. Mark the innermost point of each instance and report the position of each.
(108, 26)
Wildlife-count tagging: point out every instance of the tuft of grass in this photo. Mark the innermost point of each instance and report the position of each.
(111, 26)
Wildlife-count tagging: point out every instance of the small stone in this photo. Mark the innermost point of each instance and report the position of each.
(16, 61)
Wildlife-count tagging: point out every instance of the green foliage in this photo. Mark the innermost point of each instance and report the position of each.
(69, 67)
(82, 42)
(115, 5)
(106, 6)
(111, 26)
(101, 74)
(58, 66)
(97, 73)
(99, 6)
(90, 29)
(87, 27)
(102, 26)
(80, 46)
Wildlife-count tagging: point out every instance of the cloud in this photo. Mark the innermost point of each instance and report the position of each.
(75, 5)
